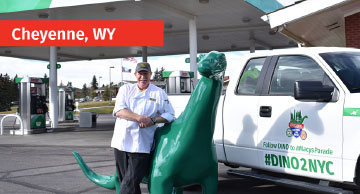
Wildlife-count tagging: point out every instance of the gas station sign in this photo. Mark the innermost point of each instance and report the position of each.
(201, 55)
(58, 66)
(187, 60)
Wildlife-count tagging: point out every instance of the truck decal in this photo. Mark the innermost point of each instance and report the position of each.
(303, 164)
(352, 112)
(296, 125)
(296, 148)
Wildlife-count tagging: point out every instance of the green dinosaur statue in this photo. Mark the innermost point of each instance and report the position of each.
(184, 153)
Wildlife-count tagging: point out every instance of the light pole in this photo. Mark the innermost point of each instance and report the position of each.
(99, 81)
(100, 86)
(110, 83)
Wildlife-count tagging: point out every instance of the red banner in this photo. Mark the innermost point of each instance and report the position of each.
(296, 125)
(81, 33)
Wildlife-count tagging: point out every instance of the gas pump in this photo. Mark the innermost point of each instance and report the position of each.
(66, 104)
(178, 82)
(33, 103)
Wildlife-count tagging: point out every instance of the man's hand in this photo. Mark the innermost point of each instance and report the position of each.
(145, 121)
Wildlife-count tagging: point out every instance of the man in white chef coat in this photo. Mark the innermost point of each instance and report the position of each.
(138, 108)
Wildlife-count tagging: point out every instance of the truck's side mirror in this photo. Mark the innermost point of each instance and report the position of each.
(313, 90)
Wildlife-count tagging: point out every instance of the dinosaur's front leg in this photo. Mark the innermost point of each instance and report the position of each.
(178, 190)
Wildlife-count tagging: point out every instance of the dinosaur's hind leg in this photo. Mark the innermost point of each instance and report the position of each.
(175, 190)
(161, 185)
(209, 184)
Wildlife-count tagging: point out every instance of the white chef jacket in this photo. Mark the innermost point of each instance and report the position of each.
(152, 102)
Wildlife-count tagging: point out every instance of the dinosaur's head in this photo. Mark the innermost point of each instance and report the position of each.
(212, 65)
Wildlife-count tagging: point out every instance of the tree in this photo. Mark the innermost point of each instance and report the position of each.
(46, 86)
(106, 94)
(14, 90)
(161, 73)
(92, 92)
(94, 83)
(111, 88)
(84, 91)
(158, 74)
(9, 92)
(14, 80)
(4, 97)
(77, 93)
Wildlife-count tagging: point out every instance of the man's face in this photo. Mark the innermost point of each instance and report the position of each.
(143, 79)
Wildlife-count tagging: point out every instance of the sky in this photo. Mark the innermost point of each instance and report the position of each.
(82, 72)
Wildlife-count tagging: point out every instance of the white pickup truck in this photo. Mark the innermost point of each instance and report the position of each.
(294, 111)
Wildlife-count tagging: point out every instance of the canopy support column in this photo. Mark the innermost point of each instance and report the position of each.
(252, 42)
(193, 48)
(53, 96)
(144, 54)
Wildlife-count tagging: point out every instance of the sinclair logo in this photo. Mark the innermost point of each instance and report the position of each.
(296, 126)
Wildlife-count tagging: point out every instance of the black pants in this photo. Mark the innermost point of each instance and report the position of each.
(131, 168)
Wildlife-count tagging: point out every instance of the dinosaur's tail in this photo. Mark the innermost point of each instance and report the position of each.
(109, 182)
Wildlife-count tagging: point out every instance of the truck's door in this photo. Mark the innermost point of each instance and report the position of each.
(240, 113)
(296, 136)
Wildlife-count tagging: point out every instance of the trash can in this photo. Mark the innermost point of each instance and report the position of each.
(93, 119)
(87, 119)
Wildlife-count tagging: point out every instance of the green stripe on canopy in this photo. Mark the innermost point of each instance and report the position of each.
(7, 6)
(266, 6)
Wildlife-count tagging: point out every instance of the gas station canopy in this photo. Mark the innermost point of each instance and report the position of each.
(222, 25)
(314, 22)
(190, 26)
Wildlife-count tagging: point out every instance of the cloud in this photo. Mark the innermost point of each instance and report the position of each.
(22, 67)
(82, 72)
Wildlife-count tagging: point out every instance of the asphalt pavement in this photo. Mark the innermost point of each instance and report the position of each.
(43, 163)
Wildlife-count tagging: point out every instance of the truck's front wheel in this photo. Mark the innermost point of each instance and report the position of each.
(357, 172)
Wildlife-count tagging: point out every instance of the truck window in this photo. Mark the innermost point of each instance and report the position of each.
(347, 66)
(295, 68)
(250, 76)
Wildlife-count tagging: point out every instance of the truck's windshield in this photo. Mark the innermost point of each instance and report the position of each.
(347, 66)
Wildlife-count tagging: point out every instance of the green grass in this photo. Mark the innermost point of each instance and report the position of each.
(104, 110)
(96, 104)
(12, 111)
